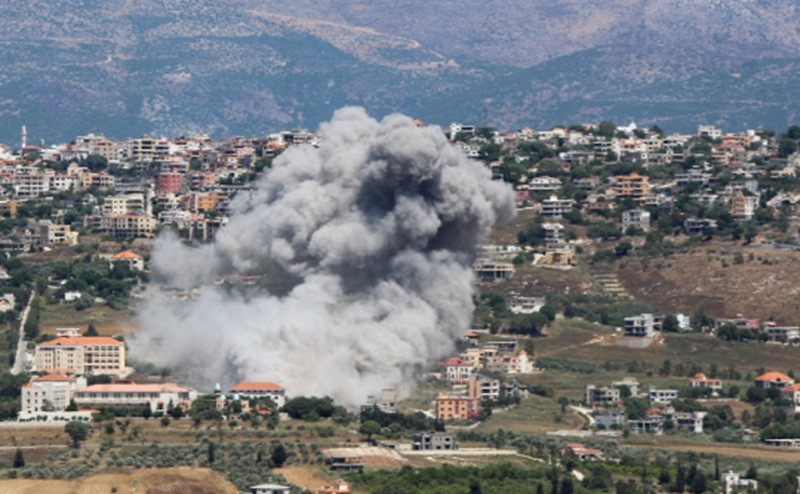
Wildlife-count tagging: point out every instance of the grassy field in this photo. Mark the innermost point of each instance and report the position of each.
(109, 322)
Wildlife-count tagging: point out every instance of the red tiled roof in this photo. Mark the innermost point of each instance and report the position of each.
(128, 254)
(132, 388)
(454, 361)
(792, 388)
(54, 377)
(83, 340)
(774, 377)
(257, 386)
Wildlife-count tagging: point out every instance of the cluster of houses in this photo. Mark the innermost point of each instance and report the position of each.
(467, 382)
(607, 403)
(63, 366)
(137, 185)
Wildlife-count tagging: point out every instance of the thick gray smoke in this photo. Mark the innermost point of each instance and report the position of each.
(364, 244)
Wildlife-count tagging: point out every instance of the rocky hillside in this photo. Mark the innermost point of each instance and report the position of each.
(128, 67)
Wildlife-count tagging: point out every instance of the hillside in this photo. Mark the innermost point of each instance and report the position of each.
(250, 66)
(762, 286)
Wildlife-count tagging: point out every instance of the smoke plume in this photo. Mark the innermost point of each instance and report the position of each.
(364, 246)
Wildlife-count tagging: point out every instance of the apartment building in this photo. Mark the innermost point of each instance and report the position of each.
(128, 394)
(85, 355)
(634, 186)
(263, 389)
(49, 393)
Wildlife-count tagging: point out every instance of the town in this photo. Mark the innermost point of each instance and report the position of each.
(581, 330)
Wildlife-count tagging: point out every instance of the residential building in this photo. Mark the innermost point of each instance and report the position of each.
(456, 408)
(128, 394)
(127, 226)
(743, 206)
(733, 482)
(553, 207)
(661, 396)
(128, 259)
(636, 218)
(634, 186)
(169, 183)
(701, 381)
(689, 421)
(582, 452)
(611, 419)
(487, 270)
(506, 346)
(792, 396)
(57, 234)
(86, 355)
(426, 441)
(643, 325)
(544, 184)
(525, 305)
(263, 389)
(483, 388)
(520, 363)
(783, 334)
(774, 380)
(600, 395)
(49, 393)
(647, 425)
(456, 370)
(709, 131)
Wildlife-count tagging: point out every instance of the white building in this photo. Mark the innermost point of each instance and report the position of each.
(662, 396)
(127, 394)
(50, 393)
(255, 390)
(637, 218)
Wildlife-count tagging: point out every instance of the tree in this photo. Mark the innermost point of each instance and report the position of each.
(91, 330)
(279, 456)
(19, 459)
(607, 129)
(369, 428)
(670, 324)
(475, 487)
(77, 431)
(210, 453)
(622, 248)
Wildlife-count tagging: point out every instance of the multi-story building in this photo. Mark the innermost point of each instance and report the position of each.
(599, 395)
(262, 389)
(169, 183)
(456, 408)
(126, 226)
(634, 186)
(57, 234)
(86, 355)
(643, 325)
(636, 218)
(456, 370)
(435, 440)
(743, 206)
(122, 205)
(662, 396)
(553, 207)
(49, 393)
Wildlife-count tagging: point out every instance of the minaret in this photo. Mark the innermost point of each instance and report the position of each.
(24, 137)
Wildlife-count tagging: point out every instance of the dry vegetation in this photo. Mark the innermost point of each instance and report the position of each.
(762, 284)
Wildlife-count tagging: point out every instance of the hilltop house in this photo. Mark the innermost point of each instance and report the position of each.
(774, 380)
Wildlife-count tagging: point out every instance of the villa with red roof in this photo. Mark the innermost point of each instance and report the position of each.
(263, 389)
(582, 452)
(130, 259)
(701, 381)
(455, 369)
(774, 380)
(85, 355)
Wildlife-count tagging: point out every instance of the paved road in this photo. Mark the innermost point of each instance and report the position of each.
(22, 353)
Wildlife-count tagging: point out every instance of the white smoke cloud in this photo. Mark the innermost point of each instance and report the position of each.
(365, 244)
